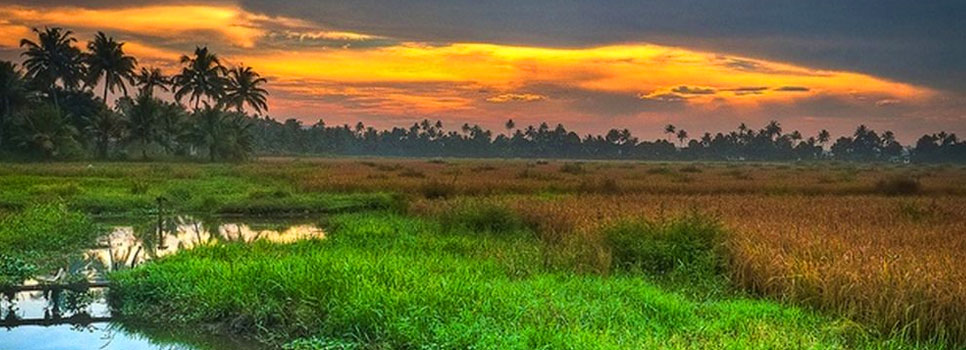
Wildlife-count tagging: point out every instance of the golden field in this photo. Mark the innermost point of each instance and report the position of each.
(828, 235)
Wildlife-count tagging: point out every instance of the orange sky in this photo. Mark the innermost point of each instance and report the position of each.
(316, 71)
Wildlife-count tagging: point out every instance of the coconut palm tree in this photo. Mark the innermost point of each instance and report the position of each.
(105, 127)
(107, 59)
(150, 78)
(141, 119)
(207, 130)
(52, 59)
(202, 76)
(171, 126)
(44, 130)
(13, 92)
(244, 87)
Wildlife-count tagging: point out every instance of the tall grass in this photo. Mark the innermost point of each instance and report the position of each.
(389, 282)
(39, 238)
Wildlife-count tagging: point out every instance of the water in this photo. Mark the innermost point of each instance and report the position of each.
(81, 320)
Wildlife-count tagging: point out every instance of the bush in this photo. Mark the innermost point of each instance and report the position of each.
(481, 217)
(572, 168)
(898, 186)
(412, 173)
(689, 242)
(691, 169)
(436, 189)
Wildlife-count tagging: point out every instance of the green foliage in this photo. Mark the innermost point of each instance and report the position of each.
(131, 189)
(40, 237)
(481, 217)
(388, 282)
(689, 242)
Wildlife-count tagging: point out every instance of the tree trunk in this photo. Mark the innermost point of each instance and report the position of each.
(211, 153)
(53, 93)
(105, 90)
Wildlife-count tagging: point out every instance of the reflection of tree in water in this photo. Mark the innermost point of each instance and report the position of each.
(128, 246)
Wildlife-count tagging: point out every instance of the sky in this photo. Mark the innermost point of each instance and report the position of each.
(703, 65)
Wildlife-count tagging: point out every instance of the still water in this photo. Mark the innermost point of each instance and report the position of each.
(82, 320)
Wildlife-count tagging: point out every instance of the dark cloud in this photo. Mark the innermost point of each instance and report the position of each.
(916, 41)
(793, 89)
(693, 90)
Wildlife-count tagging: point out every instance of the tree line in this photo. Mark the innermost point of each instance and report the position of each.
(51, 111)
(431, 139)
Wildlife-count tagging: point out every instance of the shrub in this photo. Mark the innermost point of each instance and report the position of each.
(436, 189)
(691, 169)
(689, 242)
(898, 186)
(412, 173)
(482, 217)
(572, 168)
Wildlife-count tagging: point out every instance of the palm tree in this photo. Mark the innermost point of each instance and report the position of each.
(45, 130)
(239, 143)
(509, 126)
(142, 119)
(669, 129)
(13, 92)
(53, 58)
(244, 88)
(682, 135)
(207, 130)
(150, 78)
(106, 58)
(202, 76)
(824, 136)
(105, 126)
(171, 126)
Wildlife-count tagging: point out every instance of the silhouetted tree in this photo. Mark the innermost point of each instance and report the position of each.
(13, 94)
(106, 59)
(244, 87)
(202, 76)
(52, 59)
(142, 114)
(149, 79)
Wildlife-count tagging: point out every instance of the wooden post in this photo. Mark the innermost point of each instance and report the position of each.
(161, 245)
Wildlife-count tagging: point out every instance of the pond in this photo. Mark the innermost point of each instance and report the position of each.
(79, 320)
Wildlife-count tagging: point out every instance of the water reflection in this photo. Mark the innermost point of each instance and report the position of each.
(129, 245)
(81, 319)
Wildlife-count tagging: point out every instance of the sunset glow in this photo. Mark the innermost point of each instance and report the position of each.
(316, 70)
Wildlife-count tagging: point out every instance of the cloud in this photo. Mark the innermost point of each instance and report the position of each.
(524, 97)
(793, 89)
(693, 90)
(903, 40)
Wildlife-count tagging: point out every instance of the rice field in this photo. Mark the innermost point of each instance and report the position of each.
(880, 246)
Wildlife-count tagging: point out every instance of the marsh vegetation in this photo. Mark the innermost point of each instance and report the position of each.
(572, 255)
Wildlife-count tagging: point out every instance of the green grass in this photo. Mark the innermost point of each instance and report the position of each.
(133, 189)
(40, 238)
(384, 281)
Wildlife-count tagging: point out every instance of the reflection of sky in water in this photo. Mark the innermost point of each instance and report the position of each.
(126, 246)
(130, 245)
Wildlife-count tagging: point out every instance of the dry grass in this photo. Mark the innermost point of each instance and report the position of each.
(831, 236)
(490, 177)
(893, 264)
